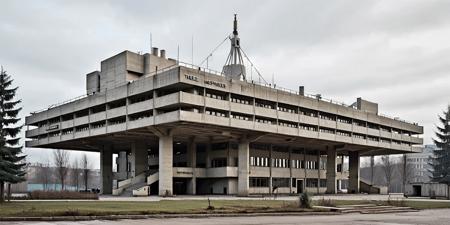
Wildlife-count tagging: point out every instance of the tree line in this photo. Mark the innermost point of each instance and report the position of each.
(63, 172)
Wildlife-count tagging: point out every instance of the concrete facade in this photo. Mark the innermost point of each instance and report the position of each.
(188, 130)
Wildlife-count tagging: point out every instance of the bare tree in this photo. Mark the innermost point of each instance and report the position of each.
(388, 168)
(61, 159)
(44, 174)
(76, 174)
(85, 167)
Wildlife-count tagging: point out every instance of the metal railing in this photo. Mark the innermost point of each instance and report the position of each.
(60, 103)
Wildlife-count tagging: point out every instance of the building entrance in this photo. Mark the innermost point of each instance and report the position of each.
(299, 186)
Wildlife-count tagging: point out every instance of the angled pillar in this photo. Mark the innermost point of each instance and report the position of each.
(106, 170)
(331, 171)
(353, 180)
(243, 168)
(165, 165)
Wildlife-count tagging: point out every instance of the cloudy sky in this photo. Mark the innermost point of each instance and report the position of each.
(395, 53)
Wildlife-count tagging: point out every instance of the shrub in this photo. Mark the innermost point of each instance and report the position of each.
(62, 195)
(305, 200)
(210, 207)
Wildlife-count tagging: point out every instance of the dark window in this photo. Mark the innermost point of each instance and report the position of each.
(219, 162)
(259, 181)
(280, 182)
(311, 183)
(323, 182)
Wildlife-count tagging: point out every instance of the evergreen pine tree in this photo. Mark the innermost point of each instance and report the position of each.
(440, 162)
(11, 157)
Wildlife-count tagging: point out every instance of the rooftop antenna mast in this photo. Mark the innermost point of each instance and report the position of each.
(234, 66)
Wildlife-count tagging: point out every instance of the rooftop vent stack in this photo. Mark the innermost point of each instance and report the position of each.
(301, 90)
(162, 53)
(234, 66)
(155, 51)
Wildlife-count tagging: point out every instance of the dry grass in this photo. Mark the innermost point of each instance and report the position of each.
(90, 208)
(38, 195)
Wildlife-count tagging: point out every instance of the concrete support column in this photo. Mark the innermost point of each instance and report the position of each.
(290, 170)
(270, 170)
(353, 180)
(372, 166)
(122, 164)
(318, 171)
(331, 171)
(244, 168)
(139, 158)
(208, 154)
(106, 174)
(165, 165)
(192, 162)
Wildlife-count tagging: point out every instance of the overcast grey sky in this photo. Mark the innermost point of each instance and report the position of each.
(395, 53)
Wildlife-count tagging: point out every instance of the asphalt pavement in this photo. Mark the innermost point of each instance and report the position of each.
(424, 217)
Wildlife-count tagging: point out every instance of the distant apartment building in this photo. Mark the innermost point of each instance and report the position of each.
(419, 164)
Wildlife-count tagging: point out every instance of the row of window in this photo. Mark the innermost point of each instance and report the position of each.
(95, 109)
(234, 98)
(285, 182)
(284, 163)
(303, 111)
(96, 125)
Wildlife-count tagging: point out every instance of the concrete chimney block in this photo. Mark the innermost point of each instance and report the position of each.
(155, 51)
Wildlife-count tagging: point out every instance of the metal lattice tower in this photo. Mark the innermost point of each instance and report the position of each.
(234, 66)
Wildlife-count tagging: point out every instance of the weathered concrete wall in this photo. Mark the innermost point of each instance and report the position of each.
(429, 190)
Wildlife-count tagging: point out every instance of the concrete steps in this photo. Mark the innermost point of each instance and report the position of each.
(375, 209)
(369, 209)
(128, 192)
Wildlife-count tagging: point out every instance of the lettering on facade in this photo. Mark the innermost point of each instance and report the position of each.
(215, 83)
(184, 172)
(53, 127)
(191, 77)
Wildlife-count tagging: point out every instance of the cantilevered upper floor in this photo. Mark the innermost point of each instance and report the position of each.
(137, 92)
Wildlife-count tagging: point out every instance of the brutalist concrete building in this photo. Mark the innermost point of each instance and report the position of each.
(175, 128)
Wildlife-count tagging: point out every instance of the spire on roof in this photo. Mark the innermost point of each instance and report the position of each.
(234, 66)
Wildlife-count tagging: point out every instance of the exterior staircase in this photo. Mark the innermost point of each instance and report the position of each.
(125, 184)
(128, 192)
(136, 186)
(367, 187)
(153, 178)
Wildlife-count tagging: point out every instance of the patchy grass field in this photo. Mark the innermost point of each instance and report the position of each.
(90, 208)
(97, 208)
